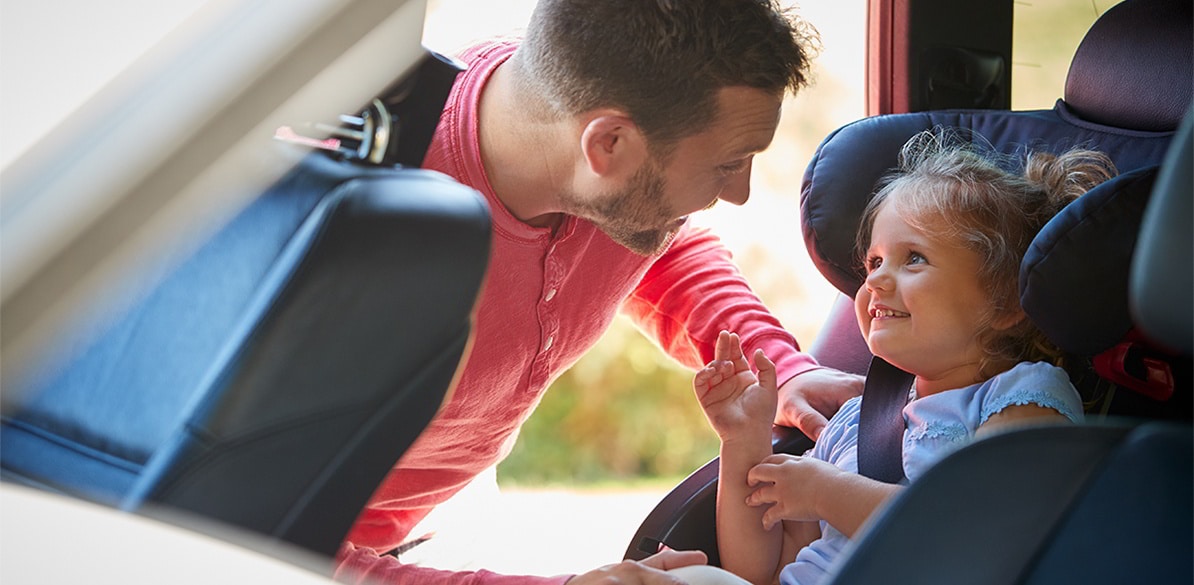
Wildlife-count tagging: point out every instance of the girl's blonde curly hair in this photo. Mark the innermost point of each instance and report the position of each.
(953, 185)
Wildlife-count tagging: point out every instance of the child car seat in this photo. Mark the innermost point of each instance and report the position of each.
(1136, 44)
(1033, 506)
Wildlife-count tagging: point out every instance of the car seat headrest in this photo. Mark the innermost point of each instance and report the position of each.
(1133, 67)
(840, 178)
(1074, 277)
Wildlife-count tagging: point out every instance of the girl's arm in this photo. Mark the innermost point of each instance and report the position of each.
(804, 488)
(808, 489)
(740, 408)
(797, 535)
(747, 549)
(846, 500)
(850, 499)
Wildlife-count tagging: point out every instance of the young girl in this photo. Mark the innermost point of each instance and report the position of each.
(941, 245)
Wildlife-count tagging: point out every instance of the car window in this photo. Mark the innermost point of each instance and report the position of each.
(46, 75)
(1044, 37)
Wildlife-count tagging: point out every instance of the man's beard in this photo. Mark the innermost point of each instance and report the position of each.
(636, 217)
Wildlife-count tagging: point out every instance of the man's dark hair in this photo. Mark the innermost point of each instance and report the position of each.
(661, 61)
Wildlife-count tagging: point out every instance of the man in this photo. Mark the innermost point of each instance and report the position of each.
(592, 141)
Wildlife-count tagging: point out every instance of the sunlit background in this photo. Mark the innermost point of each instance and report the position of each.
(619, 429)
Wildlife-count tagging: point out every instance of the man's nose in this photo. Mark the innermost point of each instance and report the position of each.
(737, 191)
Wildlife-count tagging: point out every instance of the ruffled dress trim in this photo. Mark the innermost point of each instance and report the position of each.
(1026, 396)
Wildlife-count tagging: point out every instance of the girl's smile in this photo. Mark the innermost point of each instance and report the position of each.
(922, 305)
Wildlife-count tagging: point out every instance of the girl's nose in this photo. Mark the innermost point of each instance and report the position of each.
(878, 279)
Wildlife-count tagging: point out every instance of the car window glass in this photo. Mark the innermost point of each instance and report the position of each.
(47, 73)
(1045, 35)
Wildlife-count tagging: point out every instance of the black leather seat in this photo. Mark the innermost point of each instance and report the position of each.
(273, 377)
(1136, 44)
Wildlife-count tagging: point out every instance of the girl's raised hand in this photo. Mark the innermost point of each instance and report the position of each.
(733, 398)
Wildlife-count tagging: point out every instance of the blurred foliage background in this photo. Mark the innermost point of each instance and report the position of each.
(625, 412)
(622, 413)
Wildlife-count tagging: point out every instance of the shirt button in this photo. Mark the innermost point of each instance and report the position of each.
(547, 344)
(550, 295)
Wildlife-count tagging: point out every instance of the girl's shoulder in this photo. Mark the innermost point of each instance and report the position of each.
(1038, 383)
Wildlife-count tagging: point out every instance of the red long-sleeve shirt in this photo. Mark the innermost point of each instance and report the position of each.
(547, 299)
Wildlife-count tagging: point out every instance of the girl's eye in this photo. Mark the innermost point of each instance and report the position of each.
(916, 258)
(872, 264)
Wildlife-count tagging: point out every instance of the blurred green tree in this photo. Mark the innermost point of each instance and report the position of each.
(625, 411)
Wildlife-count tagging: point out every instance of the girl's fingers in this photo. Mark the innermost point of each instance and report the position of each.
(722, 350)
(762, 473)
(713, 374)
(778, 459)
(767, 375)
(735, 347)
(770, 518)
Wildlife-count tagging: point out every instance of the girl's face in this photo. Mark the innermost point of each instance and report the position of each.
(922, 306)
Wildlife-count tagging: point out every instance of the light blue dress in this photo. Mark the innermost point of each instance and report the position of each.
(934, 426)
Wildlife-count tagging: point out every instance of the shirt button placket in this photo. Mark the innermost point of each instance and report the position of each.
(548, 312)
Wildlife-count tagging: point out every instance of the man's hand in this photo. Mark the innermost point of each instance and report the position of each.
(809, 399)
(649, 571)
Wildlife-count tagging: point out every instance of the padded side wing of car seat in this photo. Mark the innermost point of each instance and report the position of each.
(840, 345)
(686, 519)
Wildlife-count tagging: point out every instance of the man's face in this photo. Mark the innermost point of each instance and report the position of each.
(636, 216)
(713, 164)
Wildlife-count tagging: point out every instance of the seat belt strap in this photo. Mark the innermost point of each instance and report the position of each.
(881, 422)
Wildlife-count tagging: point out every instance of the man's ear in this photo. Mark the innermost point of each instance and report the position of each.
(612, 144)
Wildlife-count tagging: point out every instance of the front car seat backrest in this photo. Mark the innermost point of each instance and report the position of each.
(1033, 506)
(275, 377)
(1162, 278)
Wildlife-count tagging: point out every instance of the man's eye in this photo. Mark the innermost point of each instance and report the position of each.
(734, 167)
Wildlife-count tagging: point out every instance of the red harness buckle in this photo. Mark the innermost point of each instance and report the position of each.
(1134, 365)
